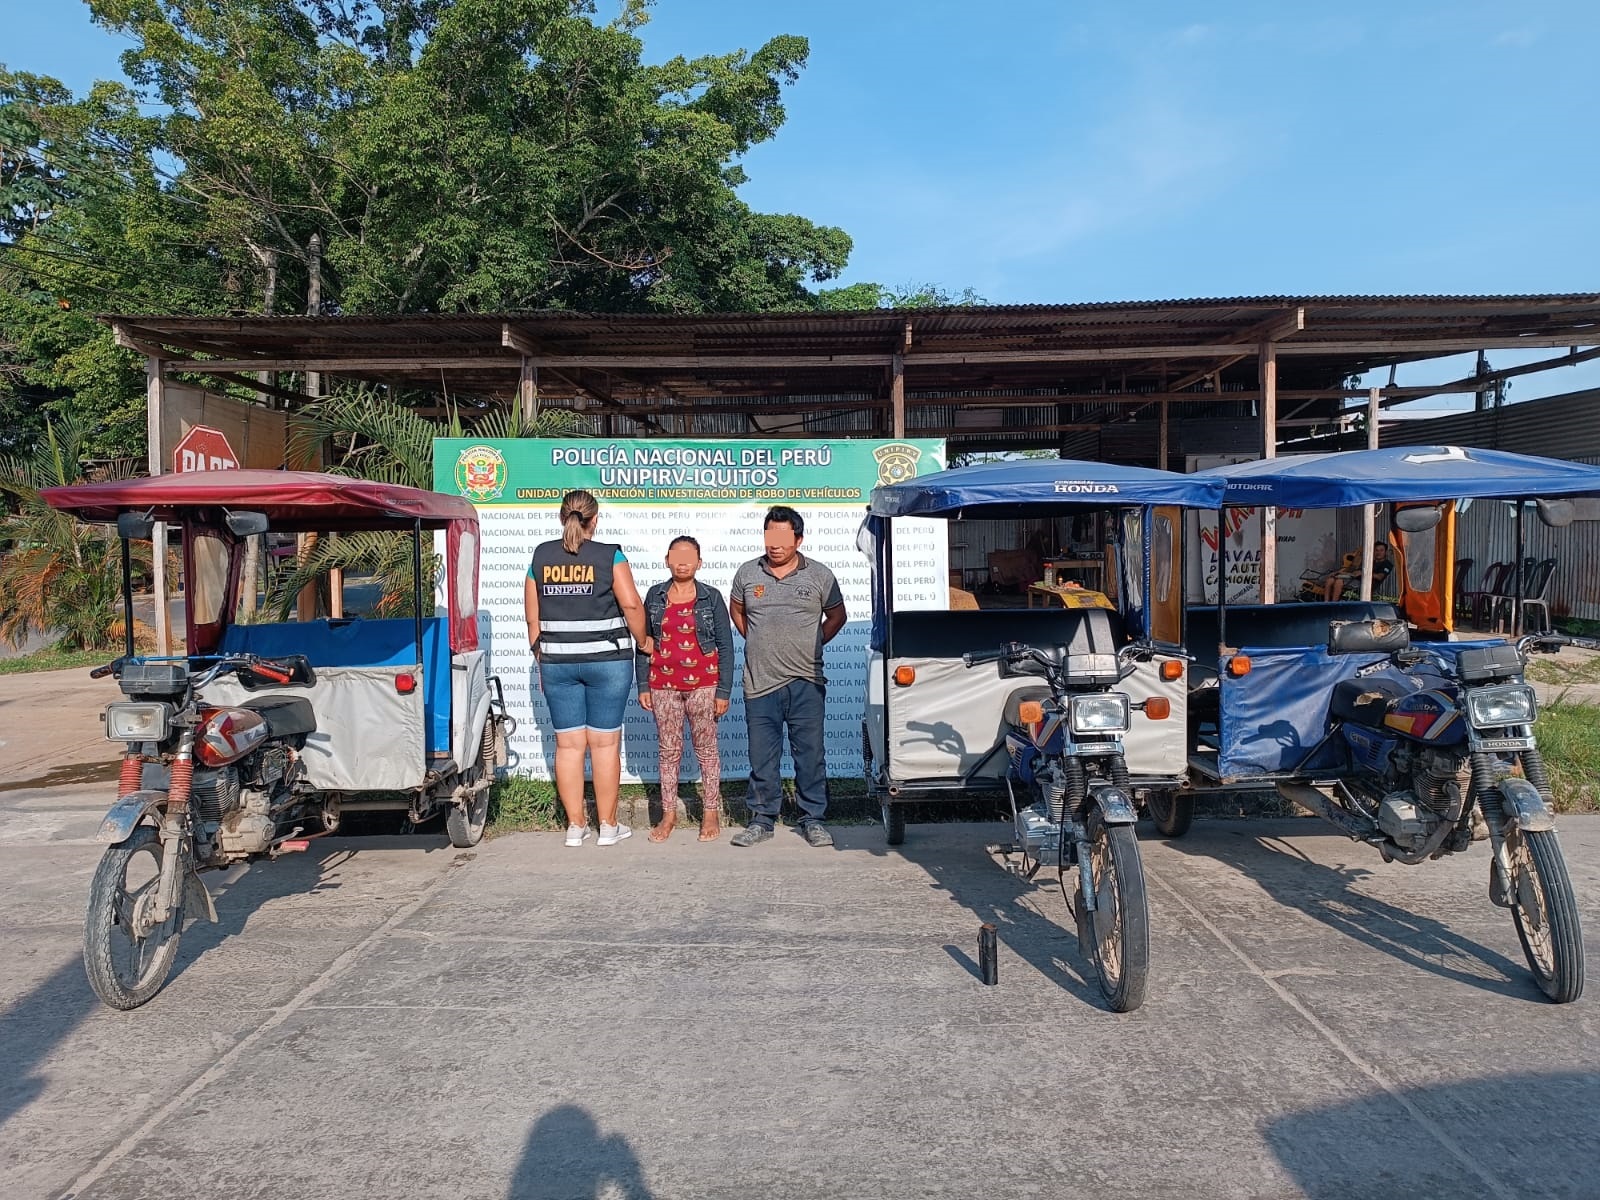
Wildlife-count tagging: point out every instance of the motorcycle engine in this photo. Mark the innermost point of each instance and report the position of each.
(250, 826)
(214, 794)
(1410, 817)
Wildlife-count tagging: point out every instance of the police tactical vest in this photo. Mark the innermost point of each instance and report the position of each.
(579, 620)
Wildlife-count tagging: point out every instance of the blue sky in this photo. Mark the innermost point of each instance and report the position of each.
(1070, 150)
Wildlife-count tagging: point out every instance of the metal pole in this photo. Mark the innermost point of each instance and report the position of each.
(1522, 581)
(416, 581)
(1267, 362)
(886, 588)
(127, 599)
(1369, 512)
(154, 394)
(1222, 586)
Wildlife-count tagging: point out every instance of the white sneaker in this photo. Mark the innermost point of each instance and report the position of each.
(610, 835)
(577, 835)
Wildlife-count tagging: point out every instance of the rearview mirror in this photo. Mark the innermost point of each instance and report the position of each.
(1418, 518)
(1557, 514)
(138, 527)
(245, 524)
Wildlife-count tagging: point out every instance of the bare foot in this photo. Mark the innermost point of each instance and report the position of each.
(710, 826)
(663, 831)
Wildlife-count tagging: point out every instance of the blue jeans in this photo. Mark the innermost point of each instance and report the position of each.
(798, 704)
(592, 695)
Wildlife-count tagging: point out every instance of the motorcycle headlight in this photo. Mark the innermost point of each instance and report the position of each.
(138, 722)
(1100, 714)
(1492, 707)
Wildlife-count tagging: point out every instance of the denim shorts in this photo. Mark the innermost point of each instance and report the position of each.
(586, 695)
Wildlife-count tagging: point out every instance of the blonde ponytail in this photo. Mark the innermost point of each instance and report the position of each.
(578, 511)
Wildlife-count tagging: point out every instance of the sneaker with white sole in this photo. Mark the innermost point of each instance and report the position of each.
(610, 835)
(577, 835)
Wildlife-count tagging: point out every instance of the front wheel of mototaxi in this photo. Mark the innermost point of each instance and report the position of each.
(1546, 913)
(1116, 935)
(126, 952)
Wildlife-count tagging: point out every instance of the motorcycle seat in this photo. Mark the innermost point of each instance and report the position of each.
(286, 716)
(1014, 701)
(1365, 701)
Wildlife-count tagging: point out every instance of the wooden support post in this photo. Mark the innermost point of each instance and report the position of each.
(1161, 439)
(308, 597)
(528, 393)
(1369, 512)
(1267, 361)
(897, 394)
(154, 396)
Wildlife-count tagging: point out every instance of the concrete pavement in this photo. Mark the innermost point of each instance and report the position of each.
(393, 1018)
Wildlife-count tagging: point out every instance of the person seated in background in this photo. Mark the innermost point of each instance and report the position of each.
(1350, 573)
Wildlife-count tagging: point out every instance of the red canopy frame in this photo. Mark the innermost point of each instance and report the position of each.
(296, 502)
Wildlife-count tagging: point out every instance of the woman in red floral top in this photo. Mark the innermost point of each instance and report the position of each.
(687, 681)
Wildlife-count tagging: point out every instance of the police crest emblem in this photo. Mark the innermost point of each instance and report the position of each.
(481, 473)
(897, 462)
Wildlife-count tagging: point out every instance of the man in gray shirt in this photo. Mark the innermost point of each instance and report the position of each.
(786, 607)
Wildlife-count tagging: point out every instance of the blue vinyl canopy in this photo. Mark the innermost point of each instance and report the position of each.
(1040, 484)
(1402, 473)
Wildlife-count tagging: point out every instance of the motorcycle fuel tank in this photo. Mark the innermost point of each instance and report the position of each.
(226, 735)
(1427, 716)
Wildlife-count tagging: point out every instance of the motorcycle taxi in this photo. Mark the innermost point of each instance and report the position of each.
(1073, 712)
(1373, 714)
(261, 734)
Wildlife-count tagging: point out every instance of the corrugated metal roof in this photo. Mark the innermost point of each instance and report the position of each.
(1045, 364)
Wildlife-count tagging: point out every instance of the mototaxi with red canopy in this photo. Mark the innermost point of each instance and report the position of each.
(403, 705)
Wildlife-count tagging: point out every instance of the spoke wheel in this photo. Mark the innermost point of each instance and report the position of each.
(1119, 927)
(465, 823)
(1546, 914)
(126, 956)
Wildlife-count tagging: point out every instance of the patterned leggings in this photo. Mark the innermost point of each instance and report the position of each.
(697, 709)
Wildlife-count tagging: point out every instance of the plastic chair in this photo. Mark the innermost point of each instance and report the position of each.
(1458, 587)
(1538, 596)
(1479, 602)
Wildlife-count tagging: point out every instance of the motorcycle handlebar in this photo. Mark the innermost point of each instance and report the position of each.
(976, 658)
(271, 670)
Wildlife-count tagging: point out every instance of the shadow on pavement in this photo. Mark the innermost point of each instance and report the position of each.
(568, 1158)
(1530, 1136)
(1328, 895)
(1030, 917)
(33, 1026)
(36, 1023)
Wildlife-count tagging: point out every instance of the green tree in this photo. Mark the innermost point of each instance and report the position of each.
(910, 295)
(370, 438)
(453, 155)
(473, 154)
(57, 575)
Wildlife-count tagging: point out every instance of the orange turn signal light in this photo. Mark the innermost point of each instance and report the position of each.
(1158, 708)
(1172, 669)
(1239, 665)
(1030, 712)
(905, 676)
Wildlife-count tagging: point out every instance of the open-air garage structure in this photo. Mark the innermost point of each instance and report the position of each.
(1149, 382)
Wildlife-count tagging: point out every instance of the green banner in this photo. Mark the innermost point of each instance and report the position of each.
(656, 471)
